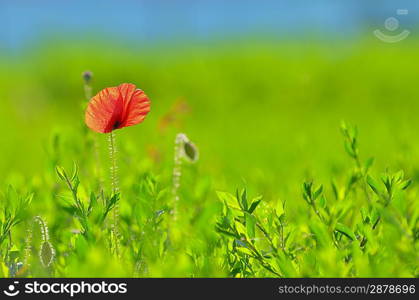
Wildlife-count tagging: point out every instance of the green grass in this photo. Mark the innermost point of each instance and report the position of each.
(281, 188)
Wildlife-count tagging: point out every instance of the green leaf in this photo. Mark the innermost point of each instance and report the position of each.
(322, 202)
(60, 172)
(368, 164)
(241, 229)
(75, 172)
(92, 202)
(229, 199)
(345, 231)
(279, 208)
(373, 185)
(335, 189)
(286, 266)
(405, 184)
(81, 245)
(250, 225)
(399, 175)
(365, 215)
(110, 204)
(254, 204)
(225, 232)
(318, 192)
(4, 270)
(244, 199)
(242, 247)
(244, 250)
(349, 149)
(307, 191)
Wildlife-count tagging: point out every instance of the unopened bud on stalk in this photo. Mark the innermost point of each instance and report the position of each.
(87, 76)
(184, 150)
(187, 149)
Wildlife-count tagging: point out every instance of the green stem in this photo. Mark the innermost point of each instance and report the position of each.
(316, 211)
(98, 171)
(112, 155)
(177, 173)
(115, 188)
(88, 91)
(363, 175)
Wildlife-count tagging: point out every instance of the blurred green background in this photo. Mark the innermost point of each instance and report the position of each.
(267, 114)
(265, 91)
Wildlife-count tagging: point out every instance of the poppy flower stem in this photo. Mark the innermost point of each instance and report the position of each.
(177, 172)
(114, 168)
(115, 188)
(87, 78)
(88, 91)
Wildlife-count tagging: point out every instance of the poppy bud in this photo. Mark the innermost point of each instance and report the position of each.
(188, 149)
(87, 76)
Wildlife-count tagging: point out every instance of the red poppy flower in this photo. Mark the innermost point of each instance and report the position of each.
(117, 107)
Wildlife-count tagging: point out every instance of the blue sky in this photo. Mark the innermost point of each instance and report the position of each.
(24, 22)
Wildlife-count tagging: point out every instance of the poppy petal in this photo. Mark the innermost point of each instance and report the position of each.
(104, 110)
(136, 105)
(117, 107)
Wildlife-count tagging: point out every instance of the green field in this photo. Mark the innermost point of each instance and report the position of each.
(267, 120)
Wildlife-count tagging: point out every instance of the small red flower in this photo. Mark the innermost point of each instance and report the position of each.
(117, 107)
